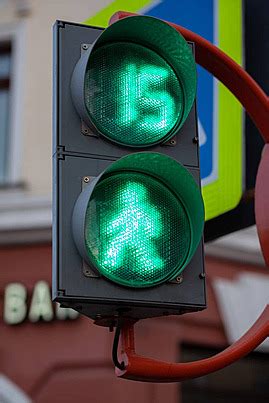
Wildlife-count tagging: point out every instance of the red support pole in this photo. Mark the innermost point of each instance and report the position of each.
(148, 370)
(256, 103)
(261, 203)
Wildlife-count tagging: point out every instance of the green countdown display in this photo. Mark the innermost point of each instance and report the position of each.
(132, 94)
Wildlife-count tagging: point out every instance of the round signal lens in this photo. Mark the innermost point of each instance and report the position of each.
(137, 232)
(132, 95)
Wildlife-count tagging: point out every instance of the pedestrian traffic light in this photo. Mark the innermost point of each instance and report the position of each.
(128, 212)
(136, 224)
(132, 86)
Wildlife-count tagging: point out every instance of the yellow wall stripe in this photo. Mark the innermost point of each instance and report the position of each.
(224, 193)
(101, 19)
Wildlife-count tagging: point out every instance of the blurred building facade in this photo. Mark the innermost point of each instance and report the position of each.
(65, 358)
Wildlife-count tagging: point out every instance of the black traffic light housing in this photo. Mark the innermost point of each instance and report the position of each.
(79, 155)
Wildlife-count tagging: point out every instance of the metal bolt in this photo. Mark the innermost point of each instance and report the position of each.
(179, 279)
(85, 131)
(85, 46)
(202, 275)
(195, 139)
(86, 179)
(173, 142)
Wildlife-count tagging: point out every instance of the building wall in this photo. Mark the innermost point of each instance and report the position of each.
(64, 361)
(25, 199)
(34, 19)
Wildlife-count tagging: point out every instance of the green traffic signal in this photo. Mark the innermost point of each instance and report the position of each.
(137, 83)
(132, 95)
(136, 230)
(139, 223)
(126, 224)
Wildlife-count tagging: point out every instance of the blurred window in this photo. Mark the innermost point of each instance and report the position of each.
(245, 381)
(5, 61)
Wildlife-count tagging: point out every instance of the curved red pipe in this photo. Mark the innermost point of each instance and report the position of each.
(256, 103)
(148, 370)
(261, 203)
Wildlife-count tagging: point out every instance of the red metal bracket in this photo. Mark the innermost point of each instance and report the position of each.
(256, 103)
(148, 370)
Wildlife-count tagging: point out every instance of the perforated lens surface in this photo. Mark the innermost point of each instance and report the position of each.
(137, 232)
(132, 95)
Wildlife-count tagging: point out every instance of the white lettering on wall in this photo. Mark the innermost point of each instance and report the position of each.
(65, 313)
(15, 308)
(41, 306)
